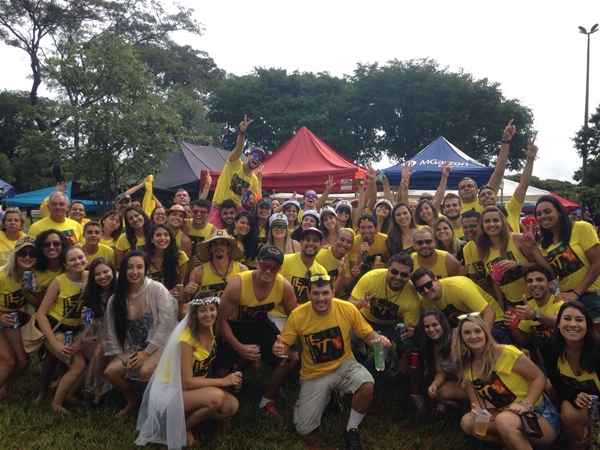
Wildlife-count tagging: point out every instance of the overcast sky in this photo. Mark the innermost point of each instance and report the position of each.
(533, 49)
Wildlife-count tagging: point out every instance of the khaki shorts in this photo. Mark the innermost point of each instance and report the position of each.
(315, 393)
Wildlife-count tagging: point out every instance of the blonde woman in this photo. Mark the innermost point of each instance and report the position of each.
(279, 235)
(503, 384)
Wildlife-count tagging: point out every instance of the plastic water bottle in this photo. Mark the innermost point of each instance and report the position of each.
(378, 354)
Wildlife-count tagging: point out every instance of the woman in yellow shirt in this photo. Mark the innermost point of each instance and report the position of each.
(12, 229)
(329, 226)
(60, 313)
(112, 226)
(50, 247)
(168, 264)
(280, 236)
(185, 381)
(13, 296)
(400, 238)
(137, 232)
(446, 239)
(503, 382)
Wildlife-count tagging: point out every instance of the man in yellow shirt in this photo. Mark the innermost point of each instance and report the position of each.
(58, 205)
(323, 327)
(92, 232)
(369, 249)
(237, 177)
(335, 259)
(198, 229)
(299, 267)
(440, 262)
(451, 207)
(77, 213)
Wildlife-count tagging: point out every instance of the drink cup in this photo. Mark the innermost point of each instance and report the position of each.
(88, 316)
(497, 273)
(512, 318)
(482, 422)
(378, 354)
(15, 316)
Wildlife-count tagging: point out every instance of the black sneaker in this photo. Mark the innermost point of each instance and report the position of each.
(352, 439)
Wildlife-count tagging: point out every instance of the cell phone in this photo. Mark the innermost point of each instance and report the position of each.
(531, 425)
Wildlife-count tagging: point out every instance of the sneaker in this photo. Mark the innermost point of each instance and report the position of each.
(352, 439)
(270, 410)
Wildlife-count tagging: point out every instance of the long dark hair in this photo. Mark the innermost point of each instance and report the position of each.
(563, 220)
(95, 296)
(250, 241)
(170, 256)
(483, 241)
(394, 239)
(117, 232)
(41, 263)
(130, 232)
(427, 345)
(422, 202)
(324, 214)
(589, 359)
(119, 304)
(347, 209)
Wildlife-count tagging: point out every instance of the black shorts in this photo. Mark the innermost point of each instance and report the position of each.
(62, 327)
(253, 332)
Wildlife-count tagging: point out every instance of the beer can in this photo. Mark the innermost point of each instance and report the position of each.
(29, 280)
(88, 316)
(15, 316)
(68, 337)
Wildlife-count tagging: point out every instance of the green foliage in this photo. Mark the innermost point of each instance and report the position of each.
(587, 142)
(14, 120)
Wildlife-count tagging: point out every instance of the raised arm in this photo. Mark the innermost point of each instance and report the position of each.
(507, 135)
(149, 201)
(441, 189)
(371, 188)
(205, 188)
(404, 184)
(328, 188)
(521, 190)
(387, 190)
(241, 138)
(362, 200)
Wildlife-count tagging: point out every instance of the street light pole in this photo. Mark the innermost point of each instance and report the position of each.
(584, 155)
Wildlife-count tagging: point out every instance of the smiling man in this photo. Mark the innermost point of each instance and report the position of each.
(440, 262)
(58, 205)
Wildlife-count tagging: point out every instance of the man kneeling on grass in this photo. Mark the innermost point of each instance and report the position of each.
(323, 327)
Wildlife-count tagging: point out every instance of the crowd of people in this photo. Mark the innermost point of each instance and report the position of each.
(473, 308)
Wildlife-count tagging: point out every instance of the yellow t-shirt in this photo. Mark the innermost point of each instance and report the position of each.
(331, 263)
(513, 210)
(70, 229)
(253, 309)
(325, 339)
(377, 248)
(233, 181)
(11, 294)
(104, 252)
(460, 295)
(198, 235)
(213, 284)
(294, 270)
(44, 278)
(458, 229)
(7, 246)
(67, 307)
(504, 386)
(550, 309)
(512, 284)
(202, 357)
(44, 211)
(587, 382)
(569, 262)
(439, 267)
(472, 205)
(388, 307)
(109, 243)
(124, 246)
(474, 266)
(158, 274)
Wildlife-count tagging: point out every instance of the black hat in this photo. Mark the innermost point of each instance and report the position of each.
(311, 230)
(270, 252)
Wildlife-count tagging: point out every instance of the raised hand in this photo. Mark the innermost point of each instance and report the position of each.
(509, 131)
(406, 172)
(446, 170)
(244, 124)
(531, 147)
(329, 183)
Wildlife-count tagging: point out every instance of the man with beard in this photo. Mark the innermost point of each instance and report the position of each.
(440, 262)
(58, 205)
(451, 207)
(299, 267)
(237, 177)
(386, 296)
(227, 214)
(335, 259)
(176, 220)
(199, 229)
(218, 256)
(368, 249)
(248, 303)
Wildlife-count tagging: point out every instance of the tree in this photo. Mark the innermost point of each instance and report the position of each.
(587, 140)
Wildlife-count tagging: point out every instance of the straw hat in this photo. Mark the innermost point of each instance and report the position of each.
(203, 252)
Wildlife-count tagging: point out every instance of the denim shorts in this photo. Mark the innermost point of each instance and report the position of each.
(546, 409)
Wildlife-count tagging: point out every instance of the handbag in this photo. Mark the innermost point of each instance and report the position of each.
(32, 337)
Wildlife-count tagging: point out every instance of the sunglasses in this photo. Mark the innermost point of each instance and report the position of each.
(268, 266)
(397, 273)
(49, 244)
(424, 242)
(258, 156)
(424, 287)
(26, 253)
(468, 316)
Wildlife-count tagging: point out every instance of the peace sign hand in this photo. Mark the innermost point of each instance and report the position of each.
(244, 124)
(531, 147)
(509, 131)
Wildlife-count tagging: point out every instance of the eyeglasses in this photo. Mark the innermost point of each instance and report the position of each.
(268, 266)
(26, 253)
(397, 273)
(424, 287)
(49, 244)
(424, 242)
(468, 316)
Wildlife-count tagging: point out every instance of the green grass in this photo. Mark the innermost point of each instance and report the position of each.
(390, 424)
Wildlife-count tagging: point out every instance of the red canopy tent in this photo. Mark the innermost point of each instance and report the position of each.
(304, 162)
(569, 204)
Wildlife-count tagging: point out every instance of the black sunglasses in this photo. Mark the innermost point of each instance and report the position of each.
(424, 241)
(26, 253)
(397, 273)
(424, 287)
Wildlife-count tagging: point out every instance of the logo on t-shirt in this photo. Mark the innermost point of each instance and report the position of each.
(494, 391)
(255, 312)
(69, 235)
(201, 367)
(238, 184)
(14, 300)
(72, 306)
(325, 346)
(381, 309)
(300, 285)
(564, 260)
(211, 290)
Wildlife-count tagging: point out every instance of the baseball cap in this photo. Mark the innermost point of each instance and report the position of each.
(312, 230)
(270, 252)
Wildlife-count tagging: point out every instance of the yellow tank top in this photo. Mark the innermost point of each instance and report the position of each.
(253, 309)
(439, 268)
(213, 284)
(11, 294)
(67, 307)
(44, 278)
(512, 284)
(202, 357)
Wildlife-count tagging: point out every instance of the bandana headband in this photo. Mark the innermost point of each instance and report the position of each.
(205, 301)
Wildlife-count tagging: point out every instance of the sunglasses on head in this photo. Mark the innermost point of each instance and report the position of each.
(26, 253)
(397, 273)
(468, 316)
(52, 244)
(258, 156)
(266, 265)
(424, 287)
(424, 242)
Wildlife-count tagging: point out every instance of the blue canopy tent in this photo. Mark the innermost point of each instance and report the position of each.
(33, 199)
(427, 167)
(6, 190)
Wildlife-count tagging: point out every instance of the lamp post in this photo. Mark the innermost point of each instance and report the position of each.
(584, 155)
